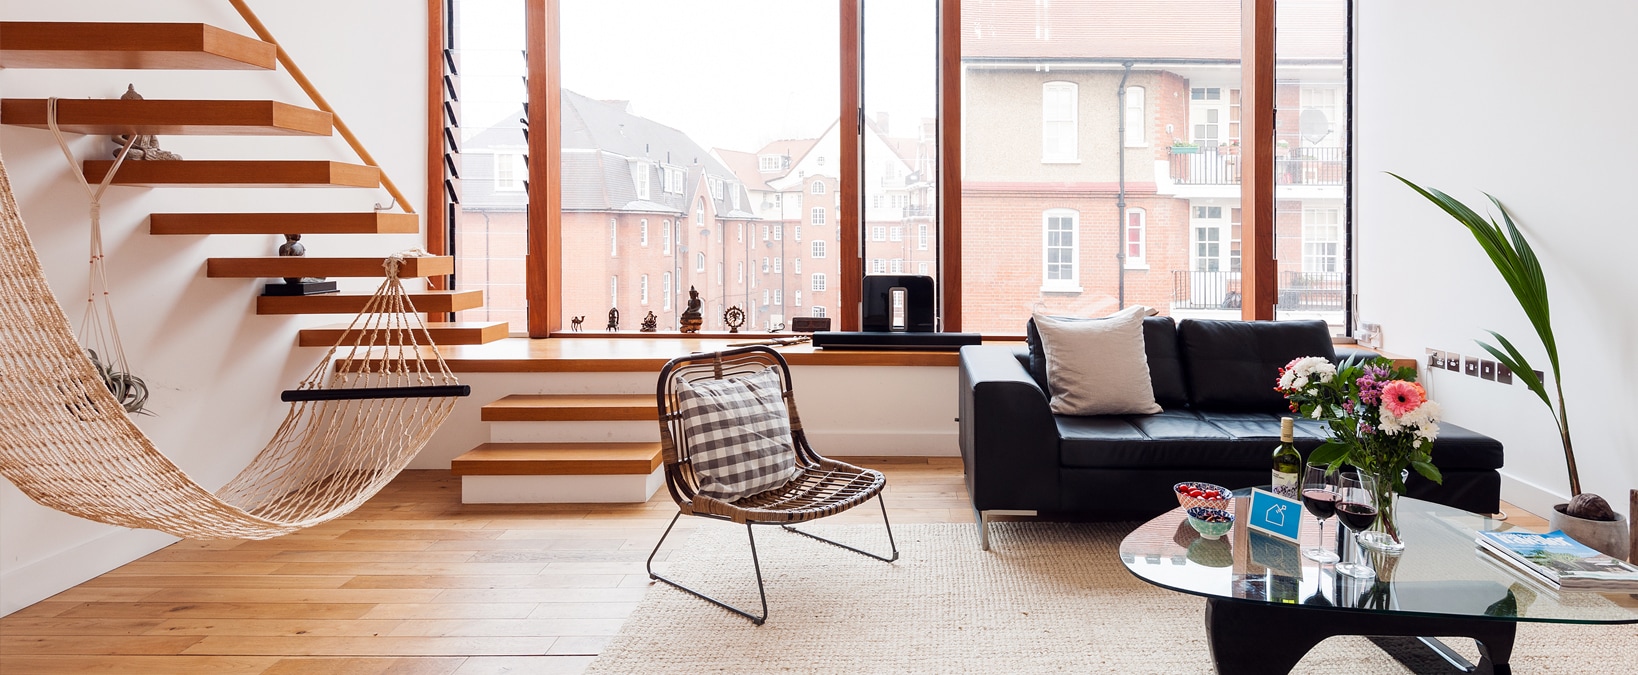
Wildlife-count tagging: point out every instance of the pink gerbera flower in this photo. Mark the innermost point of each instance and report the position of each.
(1401, 397)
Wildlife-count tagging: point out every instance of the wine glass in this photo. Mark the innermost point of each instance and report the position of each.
(1356, 510)
(1320, 497)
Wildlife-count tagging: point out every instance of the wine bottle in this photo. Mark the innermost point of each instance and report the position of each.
(1287, 462)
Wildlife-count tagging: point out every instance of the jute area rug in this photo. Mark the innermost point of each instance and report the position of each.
(1048, 598)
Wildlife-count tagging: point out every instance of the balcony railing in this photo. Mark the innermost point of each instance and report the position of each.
(1299, 291)
(1220, 166)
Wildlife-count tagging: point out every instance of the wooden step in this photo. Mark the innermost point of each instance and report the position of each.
(205, 118)
(558, 459)
(572, 407)
(173, 46)
(236, 173)
(461, 333)
(284, 223)
(352, 303)
(289, 266)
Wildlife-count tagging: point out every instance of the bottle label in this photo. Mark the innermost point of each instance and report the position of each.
(1285, 485)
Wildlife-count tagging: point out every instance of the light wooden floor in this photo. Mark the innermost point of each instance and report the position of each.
(412, 583)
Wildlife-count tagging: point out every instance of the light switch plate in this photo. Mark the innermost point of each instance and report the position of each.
(1470, 366)
(1504, 374)
(1487, 369)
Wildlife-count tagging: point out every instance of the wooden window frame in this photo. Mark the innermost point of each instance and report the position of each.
(544, 253)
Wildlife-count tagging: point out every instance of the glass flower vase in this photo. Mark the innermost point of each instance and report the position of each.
(1384, 534)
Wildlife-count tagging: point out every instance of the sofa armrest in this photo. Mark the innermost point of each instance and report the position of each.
(1009, 439)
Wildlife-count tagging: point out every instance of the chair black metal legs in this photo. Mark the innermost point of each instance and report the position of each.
(890, 544)
(756, 563)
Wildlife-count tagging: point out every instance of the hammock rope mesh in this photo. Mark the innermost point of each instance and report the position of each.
(69, 445)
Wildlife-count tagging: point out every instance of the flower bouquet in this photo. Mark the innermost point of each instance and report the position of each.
(1380, 421)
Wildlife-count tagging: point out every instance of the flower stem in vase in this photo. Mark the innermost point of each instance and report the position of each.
(1384, 534)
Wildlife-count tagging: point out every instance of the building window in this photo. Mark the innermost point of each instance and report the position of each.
(699, 262)
(665, 289)
(642, 233)
(639, 178)
(818, 248)
(1136, 239)
(772, 163)
(779, 232)
(779, 297)
(796, 231)
(895, 233)
(720, 270)
(715, 184)
(665, 236)
(1321, 241)
(818, 282)
(767, 232)
(614, 291)
(878, 266)
(699, 213)
(878, 233)
(818, 215)
(765, 296)
(798, 301)
(895, 266)
(1208, 254)
(741, 236)
(779, 265)
(1062, 249)
(921, 237)
(733, 192)
(642, 290)
(509, 172)
(765, 264)
(818, 187)
(739, 272)
(614, 238)
(921, 268)
(1136, 122)
(818, 312)
(1058, 122)
(673, 179)
(796, 267)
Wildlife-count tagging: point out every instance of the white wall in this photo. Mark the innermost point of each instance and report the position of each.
(215, 367)
(1527, 101)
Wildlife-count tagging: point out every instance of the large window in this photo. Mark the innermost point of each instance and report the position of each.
(1143, 142)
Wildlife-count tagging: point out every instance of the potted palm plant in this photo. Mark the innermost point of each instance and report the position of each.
(1587, 517)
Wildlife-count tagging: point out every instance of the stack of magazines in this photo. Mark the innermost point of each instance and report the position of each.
(1561, 562)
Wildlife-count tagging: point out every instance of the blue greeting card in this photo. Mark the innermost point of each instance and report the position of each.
(1275, 515)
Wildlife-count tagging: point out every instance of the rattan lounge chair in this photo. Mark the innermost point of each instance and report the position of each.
(821, 487)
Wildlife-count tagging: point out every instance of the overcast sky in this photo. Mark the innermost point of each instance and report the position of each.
(731, 73)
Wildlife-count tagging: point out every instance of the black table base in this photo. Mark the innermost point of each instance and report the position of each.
(1255, 638)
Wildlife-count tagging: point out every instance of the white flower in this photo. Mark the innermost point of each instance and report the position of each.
(1306, 370)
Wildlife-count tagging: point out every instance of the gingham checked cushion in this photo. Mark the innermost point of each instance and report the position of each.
(739, 434)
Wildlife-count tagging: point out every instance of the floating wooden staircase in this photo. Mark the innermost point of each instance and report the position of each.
(557, 448)
(458, 333)
(197, 46)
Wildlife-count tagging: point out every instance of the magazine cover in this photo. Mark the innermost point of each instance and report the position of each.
(1562, 560)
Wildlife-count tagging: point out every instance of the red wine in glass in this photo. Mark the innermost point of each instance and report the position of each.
(1320, 502)
(1358, 517)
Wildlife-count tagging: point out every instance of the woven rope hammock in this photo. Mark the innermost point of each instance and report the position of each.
(69, 445)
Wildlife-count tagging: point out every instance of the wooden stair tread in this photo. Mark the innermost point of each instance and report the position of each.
(170, 117)
(284, 223)
(173, 46)
(290, 266)
(352, 303)
(558, 459)
(236, 173)
(456, 333)
(572, 407)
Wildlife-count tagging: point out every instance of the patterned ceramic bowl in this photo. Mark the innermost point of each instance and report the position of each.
(1211, 523)
(1183, 499)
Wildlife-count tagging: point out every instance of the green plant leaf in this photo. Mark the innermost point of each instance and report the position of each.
(1328, 453)
(1428, 471)
(1521, 368)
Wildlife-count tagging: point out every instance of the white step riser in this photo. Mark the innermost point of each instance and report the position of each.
(620, 489)
(574, 432)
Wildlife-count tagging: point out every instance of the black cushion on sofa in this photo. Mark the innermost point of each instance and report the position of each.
(1233, 365)
(1183, 439)
(1159, 344)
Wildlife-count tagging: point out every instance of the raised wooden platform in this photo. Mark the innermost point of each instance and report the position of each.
(235, 173)
(572, 407)
(558, 459)
(352, 303)
(169, 46)
(203, 118)
(289, 266)
(376, 222)
(444, 334)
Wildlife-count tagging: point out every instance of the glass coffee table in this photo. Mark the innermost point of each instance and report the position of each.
(1267, 605)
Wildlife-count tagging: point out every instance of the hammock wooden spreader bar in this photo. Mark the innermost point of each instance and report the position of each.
(69, 445)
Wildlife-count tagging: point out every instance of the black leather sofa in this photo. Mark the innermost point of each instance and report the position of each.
(1220, 423)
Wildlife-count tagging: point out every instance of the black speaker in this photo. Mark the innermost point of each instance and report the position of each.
(900, 303)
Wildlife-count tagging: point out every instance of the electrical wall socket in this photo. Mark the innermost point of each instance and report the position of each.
(1487, 369)
(1453, 361)
(1504, 374)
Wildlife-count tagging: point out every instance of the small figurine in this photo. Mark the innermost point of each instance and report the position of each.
(293, 248)
(574, 323)
(145, 146)
(651, 324)
(776, 327)
(691, 318)
(614, 319)
(734, 318)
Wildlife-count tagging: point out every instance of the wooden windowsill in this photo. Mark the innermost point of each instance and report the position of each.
(633, 353)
